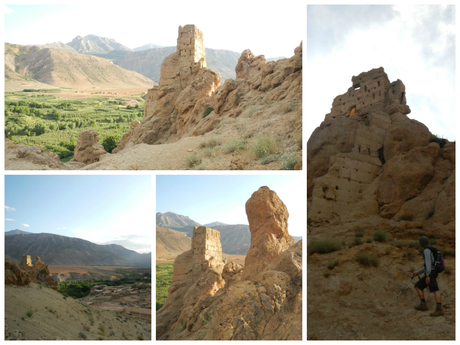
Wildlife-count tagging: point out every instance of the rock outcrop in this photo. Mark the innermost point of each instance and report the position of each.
(369, 159)
(267, 216)
(26, 273)
(213, 300)
(373, 170)
(88, 150)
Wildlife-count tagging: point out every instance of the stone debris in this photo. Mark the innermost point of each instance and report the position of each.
(88, 150)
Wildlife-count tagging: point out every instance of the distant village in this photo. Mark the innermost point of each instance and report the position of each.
(129, 299)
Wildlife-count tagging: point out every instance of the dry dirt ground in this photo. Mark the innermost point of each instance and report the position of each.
(352, 301)
(38, 313)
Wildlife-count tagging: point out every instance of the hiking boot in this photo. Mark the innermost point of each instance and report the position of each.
(437, 312)
(421, 307)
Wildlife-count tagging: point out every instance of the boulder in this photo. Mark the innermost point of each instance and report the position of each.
(88, 150)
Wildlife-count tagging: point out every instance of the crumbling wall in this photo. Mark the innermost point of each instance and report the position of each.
(206, 244)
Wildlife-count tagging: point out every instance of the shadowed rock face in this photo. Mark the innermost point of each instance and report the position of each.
(214, 300)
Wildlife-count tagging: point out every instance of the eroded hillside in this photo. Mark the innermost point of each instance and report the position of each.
(377, 180)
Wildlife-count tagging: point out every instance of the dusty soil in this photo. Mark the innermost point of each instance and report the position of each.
(352, 301)
(53, 317)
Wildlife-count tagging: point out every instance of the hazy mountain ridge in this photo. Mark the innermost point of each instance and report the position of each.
(172, 242)
(66, 69)
(235, 238)
(17, 232)
(62, 250)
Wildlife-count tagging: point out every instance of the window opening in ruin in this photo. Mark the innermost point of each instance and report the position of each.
(353, 111)
(373, 96)
(378, 83)
(336, 187)
(357, 87)
(365, 88)
(402, 97)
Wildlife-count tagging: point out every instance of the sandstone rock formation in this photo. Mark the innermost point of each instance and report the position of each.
(267, 216)
(26, 273)
(213, 300)
(370, 167)
(88, 150)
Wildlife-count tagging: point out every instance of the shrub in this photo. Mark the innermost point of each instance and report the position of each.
(359, 232)
(323, 246)
(212, 142)
(380, 236)
(236, 145)
(206, 112)
(326, 274)
(110, 142)
(332, 264)
(193, 160)
(82, 335)
(367, 260)
(369, 240)
(357, 241)
(263, 146)
(289, 161)
(30, 312)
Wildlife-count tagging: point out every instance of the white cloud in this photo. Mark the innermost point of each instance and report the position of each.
(8, 208)
(25, 225)
(9, 219)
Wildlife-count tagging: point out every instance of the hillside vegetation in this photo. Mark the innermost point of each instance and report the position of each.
(54, 124)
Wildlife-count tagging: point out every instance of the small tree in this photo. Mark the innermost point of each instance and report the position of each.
(110, 142)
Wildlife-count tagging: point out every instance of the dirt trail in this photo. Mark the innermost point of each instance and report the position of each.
(53, 317)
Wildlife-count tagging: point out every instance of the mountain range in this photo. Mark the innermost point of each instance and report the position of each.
(60, 64)
(235, 239)
(62, 250)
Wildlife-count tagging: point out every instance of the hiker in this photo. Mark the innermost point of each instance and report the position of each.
(428, 280)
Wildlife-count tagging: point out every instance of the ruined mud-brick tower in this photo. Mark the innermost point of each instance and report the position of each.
(190, 46)
(190, 53)
(370, 90)
(26, 260)
(206, 244)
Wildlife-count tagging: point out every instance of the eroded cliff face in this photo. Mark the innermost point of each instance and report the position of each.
(210, 299)
(372, 168)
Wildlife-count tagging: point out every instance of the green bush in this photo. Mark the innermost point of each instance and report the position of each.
(263, 146)
(323, 246)
(212, 142)
(366, 259)
(380, 236)
(110, 142)
(206, 112)
(357, 241)
(193, 160)
(30, 312)
(332, 264)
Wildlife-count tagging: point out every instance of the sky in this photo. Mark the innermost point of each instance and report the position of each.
(234, 26)
(415, 44)
(222, 198)
(101, 209)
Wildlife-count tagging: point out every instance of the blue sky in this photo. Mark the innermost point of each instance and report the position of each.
(237, 26)
(101, 209)
(209, 198)
(415, 44)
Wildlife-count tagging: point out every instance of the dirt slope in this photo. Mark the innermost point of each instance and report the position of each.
(54, 317)
(354, 301)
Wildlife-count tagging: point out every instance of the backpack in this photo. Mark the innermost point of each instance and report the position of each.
(438, 259)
